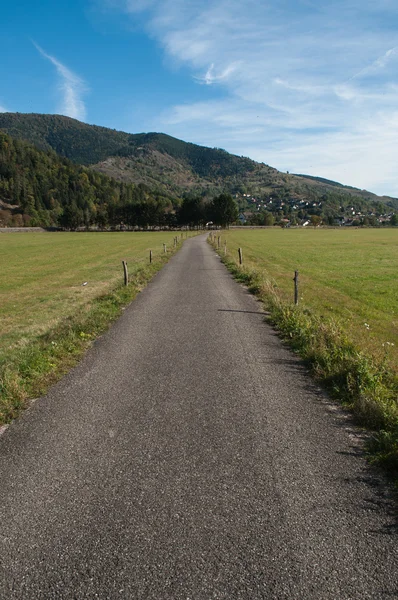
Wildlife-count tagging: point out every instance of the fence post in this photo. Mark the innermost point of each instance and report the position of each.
(126, 274)
(296, 288)
(150, 256)
(218, 242)
(225, 248)
(240, 256)
(164, 248)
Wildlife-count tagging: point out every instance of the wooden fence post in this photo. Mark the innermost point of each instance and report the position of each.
(218, 242)
(296, 287)
(240, 256)
(150, 256)
(225, 248)
(126, 274)
(164, 248)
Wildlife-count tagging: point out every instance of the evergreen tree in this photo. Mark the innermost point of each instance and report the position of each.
(223, 210)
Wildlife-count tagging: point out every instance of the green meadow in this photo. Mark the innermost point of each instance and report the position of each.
(349, 275)
(58, 291)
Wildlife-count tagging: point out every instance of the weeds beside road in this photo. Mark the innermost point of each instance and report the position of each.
(365, 382)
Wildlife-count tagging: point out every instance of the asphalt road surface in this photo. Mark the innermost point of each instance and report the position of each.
(189, 456)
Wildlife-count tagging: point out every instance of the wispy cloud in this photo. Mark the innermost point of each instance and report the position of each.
(379, 63)
(212, 77)
(71, 86)
(307, 86)
(2, 109)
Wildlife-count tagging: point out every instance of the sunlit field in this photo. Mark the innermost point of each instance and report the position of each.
(347, 274)
(42, 275)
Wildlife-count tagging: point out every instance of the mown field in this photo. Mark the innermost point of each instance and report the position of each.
(42, 275)
(349, 275)
(47, 315)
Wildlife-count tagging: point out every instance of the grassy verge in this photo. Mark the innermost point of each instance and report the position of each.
(346, 274)
(27, 370)
(365, 385)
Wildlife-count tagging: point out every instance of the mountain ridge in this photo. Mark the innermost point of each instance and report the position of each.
(177, 167)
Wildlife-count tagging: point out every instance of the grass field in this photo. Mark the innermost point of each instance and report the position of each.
(42, 275)
(47, 315)
(349, 275)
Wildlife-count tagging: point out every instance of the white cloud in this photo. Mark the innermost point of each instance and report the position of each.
(71, 86)
(348, 156)
(308, 86)
(2, 109)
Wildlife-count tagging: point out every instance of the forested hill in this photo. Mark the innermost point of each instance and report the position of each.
(81, 143)
(90, 144)
(173, 168)
(41, 188)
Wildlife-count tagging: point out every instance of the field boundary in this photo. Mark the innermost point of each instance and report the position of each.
(367, 388)
(30, 371)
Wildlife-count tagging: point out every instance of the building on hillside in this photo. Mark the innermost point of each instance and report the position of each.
(339, 221)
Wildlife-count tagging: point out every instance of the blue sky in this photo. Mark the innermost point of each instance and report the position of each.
(309, 86)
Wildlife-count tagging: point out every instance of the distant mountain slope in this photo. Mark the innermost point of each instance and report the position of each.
(81, 143)
(90, 144)
(175, 167)
(353, 190)
(323, 180)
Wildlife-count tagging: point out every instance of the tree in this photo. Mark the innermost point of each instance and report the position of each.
(72, 217)
(223, 210)
(192, 212)
(394, 220)
(268, 218)
(315, 220)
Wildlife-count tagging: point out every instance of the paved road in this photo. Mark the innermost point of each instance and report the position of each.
(189, 456)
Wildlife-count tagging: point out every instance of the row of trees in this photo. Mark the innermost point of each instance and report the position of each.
(196, 211)
(154, 212)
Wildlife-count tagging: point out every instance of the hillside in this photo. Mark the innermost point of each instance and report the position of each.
(41, 188)
(174, 167)
(81, 143)
(90, 144)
